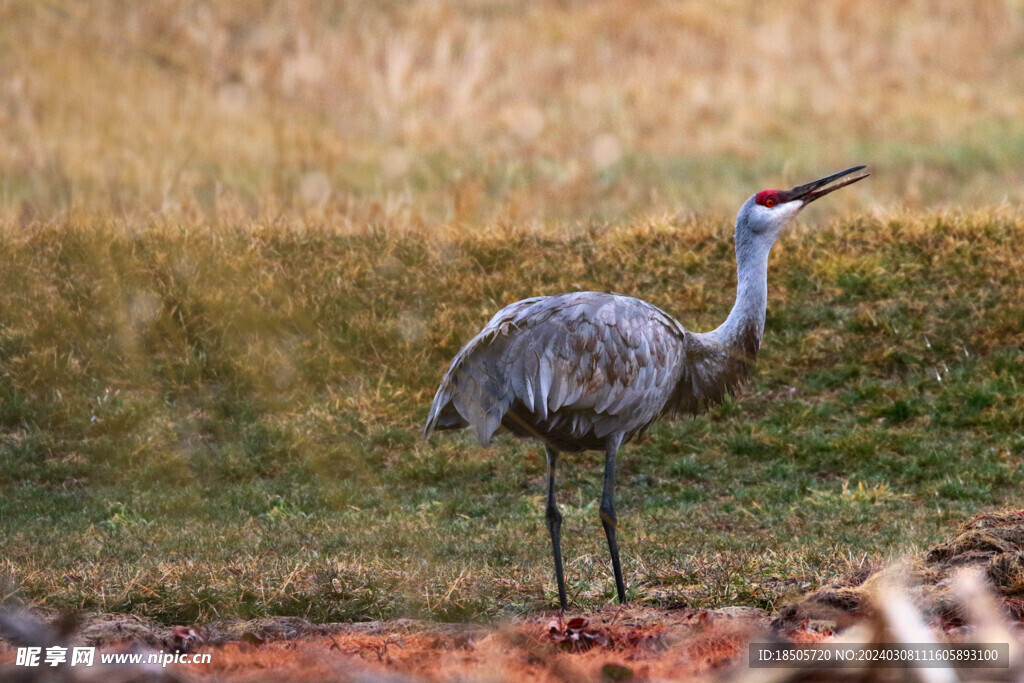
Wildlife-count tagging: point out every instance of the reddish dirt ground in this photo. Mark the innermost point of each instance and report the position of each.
(618, 644)
(629, 643)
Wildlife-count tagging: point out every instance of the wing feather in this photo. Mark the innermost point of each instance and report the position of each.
(582, 363)
(544, 378)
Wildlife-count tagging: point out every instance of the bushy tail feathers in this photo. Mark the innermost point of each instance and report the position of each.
(469, 396)
(442, 400)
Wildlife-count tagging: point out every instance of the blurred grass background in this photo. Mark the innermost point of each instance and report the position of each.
(241, 241)
(410, 113)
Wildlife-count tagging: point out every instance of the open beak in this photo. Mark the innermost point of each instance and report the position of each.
(819, 188)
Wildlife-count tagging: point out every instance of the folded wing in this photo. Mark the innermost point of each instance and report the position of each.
(580, 366)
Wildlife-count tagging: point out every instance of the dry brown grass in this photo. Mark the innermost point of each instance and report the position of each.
(365, 113)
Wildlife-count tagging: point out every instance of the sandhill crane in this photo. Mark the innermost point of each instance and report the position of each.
(590, 371)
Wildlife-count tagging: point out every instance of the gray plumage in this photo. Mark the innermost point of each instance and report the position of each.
(591, 371)
(576, 369)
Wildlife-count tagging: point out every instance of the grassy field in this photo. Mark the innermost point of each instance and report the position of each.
(202, 422)
(239, 244)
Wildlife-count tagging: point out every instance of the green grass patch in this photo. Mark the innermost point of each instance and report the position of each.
(206, 422)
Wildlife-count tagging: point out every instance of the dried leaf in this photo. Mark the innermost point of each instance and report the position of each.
(577, 623)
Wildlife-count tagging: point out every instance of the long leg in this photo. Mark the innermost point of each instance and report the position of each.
(608, 519)
(554, 519)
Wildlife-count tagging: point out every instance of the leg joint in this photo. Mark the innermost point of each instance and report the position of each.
(607, 508)
(553, 514)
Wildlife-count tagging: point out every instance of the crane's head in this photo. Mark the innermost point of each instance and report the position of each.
(763, 216)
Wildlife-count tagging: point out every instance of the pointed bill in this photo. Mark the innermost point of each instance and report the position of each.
(817, 189)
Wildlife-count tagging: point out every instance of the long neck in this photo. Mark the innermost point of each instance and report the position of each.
(728, 352)
(743, 329)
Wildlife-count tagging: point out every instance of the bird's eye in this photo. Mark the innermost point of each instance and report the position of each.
(770, 202)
